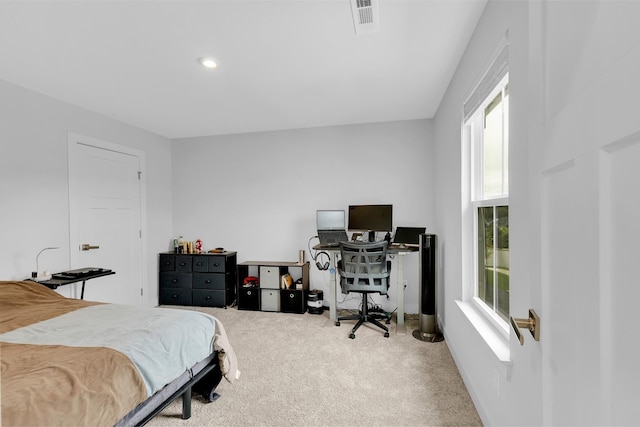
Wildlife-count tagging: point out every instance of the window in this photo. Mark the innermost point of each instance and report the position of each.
(490, 199)
(486, 128)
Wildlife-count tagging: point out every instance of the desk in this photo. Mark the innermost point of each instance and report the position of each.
(69, 277)
(392, 250)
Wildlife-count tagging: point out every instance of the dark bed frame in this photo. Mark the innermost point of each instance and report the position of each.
(202, 378)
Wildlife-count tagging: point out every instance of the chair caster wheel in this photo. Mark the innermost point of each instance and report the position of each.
(352, 335)
(337, 323)
(386, 334)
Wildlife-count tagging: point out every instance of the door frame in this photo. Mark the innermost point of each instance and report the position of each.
(73, 140)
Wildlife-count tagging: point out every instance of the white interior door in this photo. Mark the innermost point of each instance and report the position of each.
(590, 271)
(105, 205)
(585, 149)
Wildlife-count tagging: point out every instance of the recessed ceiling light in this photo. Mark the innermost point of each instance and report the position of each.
(208, 62)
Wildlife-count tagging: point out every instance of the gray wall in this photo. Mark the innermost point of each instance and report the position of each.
(258, 193)
(253, 193)
(500, 396)
(34, 181)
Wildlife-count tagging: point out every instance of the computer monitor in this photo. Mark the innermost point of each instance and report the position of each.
(330, 219)
(408, 236)
(371, 217)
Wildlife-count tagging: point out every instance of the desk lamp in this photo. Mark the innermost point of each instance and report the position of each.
(35, 275)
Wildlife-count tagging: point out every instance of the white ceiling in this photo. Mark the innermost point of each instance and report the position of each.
(284, 64)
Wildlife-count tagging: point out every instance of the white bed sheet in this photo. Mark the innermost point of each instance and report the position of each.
(152, 338)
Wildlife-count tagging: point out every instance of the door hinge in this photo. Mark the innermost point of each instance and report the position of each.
(140, 234)
(141, 292)
(139, 174)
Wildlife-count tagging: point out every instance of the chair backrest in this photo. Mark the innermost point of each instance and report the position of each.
(363, 267)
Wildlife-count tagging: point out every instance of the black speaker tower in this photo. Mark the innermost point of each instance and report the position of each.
(428, 301)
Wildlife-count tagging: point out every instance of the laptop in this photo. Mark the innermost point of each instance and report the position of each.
(408, 236)
(330, 225)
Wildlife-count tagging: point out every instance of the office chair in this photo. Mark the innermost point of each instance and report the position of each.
(364, 268)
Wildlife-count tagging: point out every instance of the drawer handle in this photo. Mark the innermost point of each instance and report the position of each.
(182, 264)
(248, 293)
(175, 296)
(216, 265)
(174, 280)
(292, 296)
(207, 297)
(167, 263)
(199, 264)
(207, 281)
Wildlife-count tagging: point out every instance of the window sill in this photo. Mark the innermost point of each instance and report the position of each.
(498, 344)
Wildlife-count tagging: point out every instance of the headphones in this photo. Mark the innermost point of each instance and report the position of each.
(321, 266)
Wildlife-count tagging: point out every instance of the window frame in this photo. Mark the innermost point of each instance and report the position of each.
(473, 129)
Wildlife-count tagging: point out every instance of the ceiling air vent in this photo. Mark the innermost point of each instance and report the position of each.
(365, 15)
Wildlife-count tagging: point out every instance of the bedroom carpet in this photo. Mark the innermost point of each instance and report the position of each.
(301, 370)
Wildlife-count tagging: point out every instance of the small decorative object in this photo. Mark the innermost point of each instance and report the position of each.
(198, 246)
(287, 281)
(250, 282)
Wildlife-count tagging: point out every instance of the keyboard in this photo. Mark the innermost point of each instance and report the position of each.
(79, 273)
(332, 238)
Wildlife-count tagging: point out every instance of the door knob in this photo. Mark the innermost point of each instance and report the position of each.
(532, 323)
(88, 247)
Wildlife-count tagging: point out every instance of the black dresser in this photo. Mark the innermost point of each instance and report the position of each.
(206, 280)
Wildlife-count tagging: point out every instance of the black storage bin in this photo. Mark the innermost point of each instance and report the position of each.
(292, 301)
(249, 298)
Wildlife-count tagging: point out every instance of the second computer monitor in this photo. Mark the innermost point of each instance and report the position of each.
(330, 219)
(370, 217)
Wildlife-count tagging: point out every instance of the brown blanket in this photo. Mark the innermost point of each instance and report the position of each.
(24, 303)
(58, 385)
(46, 385)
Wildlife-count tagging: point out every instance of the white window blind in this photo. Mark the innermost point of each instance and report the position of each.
(497, 69)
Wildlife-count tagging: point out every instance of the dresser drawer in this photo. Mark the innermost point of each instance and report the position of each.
(217, 264)
(183, 263)
(209, 281)
(177, 296)
(208, 298)
(200, 263)
(175, 280)
(167, 263)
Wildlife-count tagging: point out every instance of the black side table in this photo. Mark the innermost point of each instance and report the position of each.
(74, 276)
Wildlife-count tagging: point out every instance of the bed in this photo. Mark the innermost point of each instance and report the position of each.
(73, 362)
